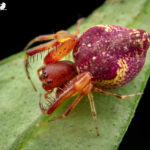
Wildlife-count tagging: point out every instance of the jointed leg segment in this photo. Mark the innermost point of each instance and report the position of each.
(93, 110)
(62, 43)
(72, 106)
(77, 31)
(60, 46)
(40, 38)
(81, 83)
(114, 94)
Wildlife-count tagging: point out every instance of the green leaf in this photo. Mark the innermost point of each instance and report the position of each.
(24, 127)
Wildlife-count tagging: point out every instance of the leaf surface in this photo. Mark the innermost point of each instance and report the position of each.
(24, 127)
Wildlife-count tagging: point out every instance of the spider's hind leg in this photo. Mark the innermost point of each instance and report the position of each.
(93, 110)
(115, 95)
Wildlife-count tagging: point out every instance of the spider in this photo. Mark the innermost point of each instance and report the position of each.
(105, 57)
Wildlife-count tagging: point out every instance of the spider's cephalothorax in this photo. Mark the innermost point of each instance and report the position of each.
(106, 57)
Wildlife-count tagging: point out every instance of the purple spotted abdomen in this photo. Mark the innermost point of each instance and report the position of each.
(114, 55)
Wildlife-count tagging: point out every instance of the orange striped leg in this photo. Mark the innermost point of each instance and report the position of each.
(116, 95)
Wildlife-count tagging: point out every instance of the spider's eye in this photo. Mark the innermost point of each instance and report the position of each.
(45, 76)
(49, 81)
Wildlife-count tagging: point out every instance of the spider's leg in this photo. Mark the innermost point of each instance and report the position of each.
(60, 46)
(46, 37)
(71, 107)
(63, 42)
(114, 94)
(66, 44)
(77, 84)
(93, 110)
(84, 91)
(36, 50)
(40, 39)
(77, 31)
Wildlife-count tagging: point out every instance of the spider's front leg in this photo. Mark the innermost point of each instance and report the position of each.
(78, 84)
(60, 46)
(47, 37)
(62, 43)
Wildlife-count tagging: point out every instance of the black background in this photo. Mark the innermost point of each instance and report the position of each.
(24, 20)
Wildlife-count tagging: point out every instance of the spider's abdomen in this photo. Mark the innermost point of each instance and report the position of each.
(114, 55)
